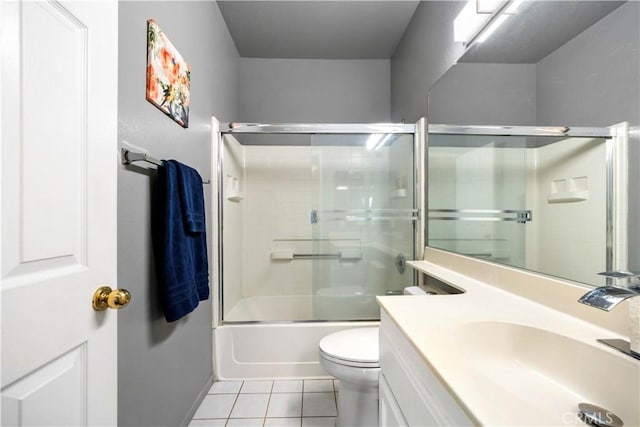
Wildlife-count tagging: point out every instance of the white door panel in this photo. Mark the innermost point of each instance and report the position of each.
(66, 376)
(53, 154)
(59, 157)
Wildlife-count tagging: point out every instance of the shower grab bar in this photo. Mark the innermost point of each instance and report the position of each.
(317, 256)
(521, 216)
(127, 157)
(372, 215)
(303, 256)
(288, 255)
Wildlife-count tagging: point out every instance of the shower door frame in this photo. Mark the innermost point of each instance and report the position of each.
(418, 130)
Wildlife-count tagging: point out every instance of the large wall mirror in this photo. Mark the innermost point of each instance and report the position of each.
(529, 140)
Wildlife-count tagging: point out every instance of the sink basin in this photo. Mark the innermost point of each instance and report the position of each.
(546, 374)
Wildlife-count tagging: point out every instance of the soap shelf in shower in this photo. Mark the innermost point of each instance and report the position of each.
(520, 216)
(364, 215)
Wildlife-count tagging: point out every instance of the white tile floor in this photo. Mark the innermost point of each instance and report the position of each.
(269, 403)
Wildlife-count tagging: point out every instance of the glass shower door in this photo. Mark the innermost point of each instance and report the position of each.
(362, 217)
(476, 192)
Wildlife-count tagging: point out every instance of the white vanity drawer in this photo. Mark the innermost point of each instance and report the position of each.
(422, 398)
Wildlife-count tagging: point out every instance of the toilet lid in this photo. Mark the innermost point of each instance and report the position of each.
(354, 345)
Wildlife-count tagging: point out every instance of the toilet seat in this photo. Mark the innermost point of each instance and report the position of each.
(348, 363)
(352, 347)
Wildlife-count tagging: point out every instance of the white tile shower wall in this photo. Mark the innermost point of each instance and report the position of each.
(279, 191)
(495, 179)
(478, 178)
(572, 241)
(355, 178)
(282, 184)
(344, 183)
(476, 189)
(511, 194)
(442, 177)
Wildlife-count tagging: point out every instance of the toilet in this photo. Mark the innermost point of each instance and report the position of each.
(353, 357)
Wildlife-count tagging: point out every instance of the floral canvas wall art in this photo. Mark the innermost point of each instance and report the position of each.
(168, 76)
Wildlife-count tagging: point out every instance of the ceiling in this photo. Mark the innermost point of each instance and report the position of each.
(317, 29)
(359, 29)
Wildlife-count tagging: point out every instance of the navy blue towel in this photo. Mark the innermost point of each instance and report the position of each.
(179, 239)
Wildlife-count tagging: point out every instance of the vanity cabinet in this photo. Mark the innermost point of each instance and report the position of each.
(390, 412)
(410, 393)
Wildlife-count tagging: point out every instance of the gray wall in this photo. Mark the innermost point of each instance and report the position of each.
(589, 80)
(464, 93)
(163, 368)
(424, 54)
(314, 90)
(594, 80)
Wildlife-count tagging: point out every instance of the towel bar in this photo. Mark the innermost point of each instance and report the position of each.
(129, 157)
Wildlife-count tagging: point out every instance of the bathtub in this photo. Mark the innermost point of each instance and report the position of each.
(267, 308)
(346, 302)
(273, 349)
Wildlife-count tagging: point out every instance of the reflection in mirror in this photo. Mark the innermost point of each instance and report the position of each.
(531, 202)
(555, 63)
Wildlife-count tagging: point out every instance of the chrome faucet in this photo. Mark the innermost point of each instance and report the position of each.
(607, 297)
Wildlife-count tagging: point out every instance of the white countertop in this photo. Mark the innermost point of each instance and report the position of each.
(510, 361)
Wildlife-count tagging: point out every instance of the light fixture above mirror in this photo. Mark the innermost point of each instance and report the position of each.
(479, 19)
(536, 30)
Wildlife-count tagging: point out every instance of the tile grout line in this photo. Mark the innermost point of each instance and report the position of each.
(264, 418)
(266, 411)
(302, 403)
(234, 403)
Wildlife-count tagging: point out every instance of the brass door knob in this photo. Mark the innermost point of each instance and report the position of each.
(105, 297)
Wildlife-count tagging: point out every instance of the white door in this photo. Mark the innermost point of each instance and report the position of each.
(58, 85)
